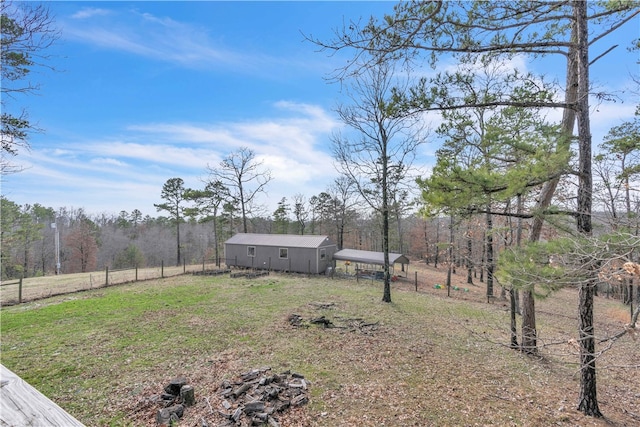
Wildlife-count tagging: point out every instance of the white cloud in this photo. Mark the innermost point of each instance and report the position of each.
(61, 152)
(187, 132)
(90, 12)
(164, 39)
(298, 137)
(613, 113)
(112, 174)
(497, 68)
(165, 154)
(108, 162)
(113, 39)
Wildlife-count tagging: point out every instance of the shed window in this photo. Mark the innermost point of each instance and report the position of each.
(323, 253)
(251, 251)
(284, 253)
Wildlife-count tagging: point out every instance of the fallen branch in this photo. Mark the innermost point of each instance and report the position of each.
(326, 323)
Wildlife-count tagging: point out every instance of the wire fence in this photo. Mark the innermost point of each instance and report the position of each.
(33, 288)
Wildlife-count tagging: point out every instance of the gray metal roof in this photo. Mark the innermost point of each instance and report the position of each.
(369, 257)
(281, 240)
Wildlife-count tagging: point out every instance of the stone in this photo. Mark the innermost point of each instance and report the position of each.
(175, 385)
(187, 395)
(163, 417)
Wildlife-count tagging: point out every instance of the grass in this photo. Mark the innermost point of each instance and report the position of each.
(39, 287)
(426, 360)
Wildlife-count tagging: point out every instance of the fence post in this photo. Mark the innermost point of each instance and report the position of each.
(106, 280)
(184, 265)
(203, 263)
(162, 269)
(20, 291)
(416, 281)
(136, 273)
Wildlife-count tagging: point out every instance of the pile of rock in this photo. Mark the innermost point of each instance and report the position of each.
(176, 397)
(256, 397)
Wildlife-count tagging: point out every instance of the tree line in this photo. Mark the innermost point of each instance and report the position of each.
(89, 242)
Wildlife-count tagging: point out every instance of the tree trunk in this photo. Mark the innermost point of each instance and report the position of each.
(426, 243)
(514, 330)
(469, 258)
(178, 240)
(519, 204)
(588, 401)
(450, 256)
(399, 228)
(386, 297)
(529, 331)
(588, 398)
(242, 207)
(489, 252)
(437, 250)
(483, 258)
(215, 239)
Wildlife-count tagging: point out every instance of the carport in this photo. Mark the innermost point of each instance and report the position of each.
(370, 258)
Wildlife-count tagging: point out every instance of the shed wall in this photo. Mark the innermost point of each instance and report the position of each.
(299, 260)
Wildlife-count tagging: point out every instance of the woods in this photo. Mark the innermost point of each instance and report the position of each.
(475, 35)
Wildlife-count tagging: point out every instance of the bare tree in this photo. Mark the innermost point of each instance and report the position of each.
(81, 246)
(617, 169)
(27, 31)
(378, 157)
(244, 176)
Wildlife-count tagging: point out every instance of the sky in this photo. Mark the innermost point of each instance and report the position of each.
(144, 91)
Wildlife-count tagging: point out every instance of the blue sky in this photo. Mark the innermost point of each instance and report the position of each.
(147, 91)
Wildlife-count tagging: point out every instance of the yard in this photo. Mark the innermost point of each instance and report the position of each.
(105, 355)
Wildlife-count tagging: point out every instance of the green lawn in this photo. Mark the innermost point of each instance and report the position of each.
(424, 360)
